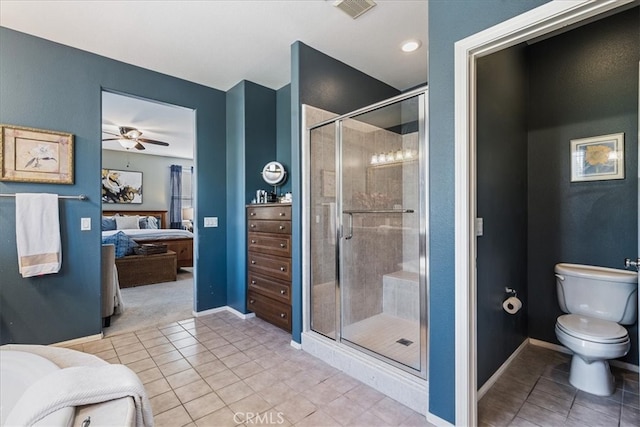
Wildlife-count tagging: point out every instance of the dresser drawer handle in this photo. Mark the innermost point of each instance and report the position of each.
(253, 226)
(253, 282)
(253, 242)
(253, 261)
(282, 245)
(252, 214)
(251, 301)
(282, 214)
(282, 292)
(281, 227)
(283, 315)
(282, 268)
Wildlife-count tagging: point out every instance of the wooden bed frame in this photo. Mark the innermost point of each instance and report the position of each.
(183, 246)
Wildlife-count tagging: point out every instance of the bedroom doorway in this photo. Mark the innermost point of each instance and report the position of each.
(148, 204)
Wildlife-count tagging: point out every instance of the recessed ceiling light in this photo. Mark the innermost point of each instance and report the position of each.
(411, 45)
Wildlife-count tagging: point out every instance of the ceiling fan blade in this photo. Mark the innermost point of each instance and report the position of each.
(111, 139)
(110, 133)
(152, 141)
(139, 146)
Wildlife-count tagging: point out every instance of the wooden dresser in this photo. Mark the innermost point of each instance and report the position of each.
(269, 262)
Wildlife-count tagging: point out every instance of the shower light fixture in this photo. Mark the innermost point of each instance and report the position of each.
(391, 157)
(411, 45)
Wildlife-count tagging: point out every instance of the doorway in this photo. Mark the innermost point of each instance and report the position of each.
(153, 144)
(521, 29)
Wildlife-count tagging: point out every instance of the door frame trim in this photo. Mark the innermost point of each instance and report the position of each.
(536, 23)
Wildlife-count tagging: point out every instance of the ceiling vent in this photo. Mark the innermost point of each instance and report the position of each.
(354, 8)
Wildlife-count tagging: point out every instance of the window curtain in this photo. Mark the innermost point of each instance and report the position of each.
(175, 211)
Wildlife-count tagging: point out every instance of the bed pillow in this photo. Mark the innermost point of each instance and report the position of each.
(128, 222)
(148, 222)
(123, 243)
(108, 223)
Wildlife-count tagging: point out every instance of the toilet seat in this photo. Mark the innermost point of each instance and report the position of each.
(592, 329)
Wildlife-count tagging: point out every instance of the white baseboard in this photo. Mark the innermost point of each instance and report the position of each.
(562, 349)
(220, 309)
(78, 341)
(491, 381)
(437, 421)
(296, 345)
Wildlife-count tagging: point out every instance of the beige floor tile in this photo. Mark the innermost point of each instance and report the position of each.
(201, 358)
(247, 369)
(629, 416)
(107, 354)
(277, 393)
(171, 329)
(601, 404)
(204, 405)
(321, 394)
(210, 368)
(250, 404)
(266, 418)
(222, 379)
(155, 341)
(133, 357)
(183, 378)
(192, 349)
(417, 420)
(234, 392)
(192, 391)
(540, 416)
(261, 380)
(593, 417)
(342, 382)
(559, 390)
(174, 367)
(318, 418)
(550, 402)
(521, 422)
(164, 358)
(157, 387)
(390, 411)
(235, 359)
(129, 348)
(97, 346)
(150, 375)
(223, 351)
(216, 342)
(124, 340)
(343, 410)
(160, 349)
(221, 418)
(367, 419)
(185, 342)
(176, 417)
(163, 402)
(364, 395)
(296, 408)
(142, 365)
(148, 334)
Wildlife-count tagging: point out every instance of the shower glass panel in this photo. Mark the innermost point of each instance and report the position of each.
(323, 230)
(367, 222)
(380, 250)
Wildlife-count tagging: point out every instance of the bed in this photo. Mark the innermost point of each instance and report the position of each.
(178, 241)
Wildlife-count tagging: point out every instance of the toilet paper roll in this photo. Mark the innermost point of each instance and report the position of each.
(512, 305)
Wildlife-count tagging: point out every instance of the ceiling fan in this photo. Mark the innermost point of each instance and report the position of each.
(130, 138)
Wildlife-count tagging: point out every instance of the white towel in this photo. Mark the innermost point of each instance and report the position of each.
(78, 386)
(38, 234)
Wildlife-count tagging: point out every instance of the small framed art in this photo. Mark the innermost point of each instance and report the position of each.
(35, 155)
(597, 158)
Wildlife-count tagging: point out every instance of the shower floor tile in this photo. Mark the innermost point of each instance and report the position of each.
(381, 333)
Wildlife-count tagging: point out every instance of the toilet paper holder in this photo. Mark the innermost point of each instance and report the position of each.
(511, 291)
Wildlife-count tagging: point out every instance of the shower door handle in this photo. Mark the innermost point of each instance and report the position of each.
(632, 263)
(349, 226)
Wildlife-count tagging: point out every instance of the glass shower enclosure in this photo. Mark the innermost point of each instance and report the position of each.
(367, 222)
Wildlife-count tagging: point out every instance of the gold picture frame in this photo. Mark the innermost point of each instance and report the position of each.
(35, 155)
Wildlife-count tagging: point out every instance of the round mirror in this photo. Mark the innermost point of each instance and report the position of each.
(274, 173)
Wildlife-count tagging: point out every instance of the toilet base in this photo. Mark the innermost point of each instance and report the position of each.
(594, 377)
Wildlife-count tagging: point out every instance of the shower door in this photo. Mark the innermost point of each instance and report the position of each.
(368, 238)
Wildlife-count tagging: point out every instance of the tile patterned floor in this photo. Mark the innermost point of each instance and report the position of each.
(535, 391)
(219, 370)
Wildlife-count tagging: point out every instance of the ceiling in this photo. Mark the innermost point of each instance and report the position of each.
(220, 43)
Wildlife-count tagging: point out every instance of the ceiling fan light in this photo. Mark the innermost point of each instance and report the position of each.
(127, 143)
(133, 134)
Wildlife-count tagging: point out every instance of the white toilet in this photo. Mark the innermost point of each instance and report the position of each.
(598, 301)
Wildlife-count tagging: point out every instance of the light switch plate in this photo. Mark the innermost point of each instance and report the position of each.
(210, 221)
(479, 227)
(85, 224)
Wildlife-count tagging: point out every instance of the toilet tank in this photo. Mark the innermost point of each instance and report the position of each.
(603, 293)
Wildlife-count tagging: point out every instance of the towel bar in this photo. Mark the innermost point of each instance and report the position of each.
(78, 197)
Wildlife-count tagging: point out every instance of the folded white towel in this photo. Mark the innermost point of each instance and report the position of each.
(80, 386)
(38, 234)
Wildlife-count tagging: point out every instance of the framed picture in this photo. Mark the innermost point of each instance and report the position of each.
(121, 186)
(35, 155)
(597, 158)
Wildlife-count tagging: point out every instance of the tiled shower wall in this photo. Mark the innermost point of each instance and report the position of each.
(381, 243)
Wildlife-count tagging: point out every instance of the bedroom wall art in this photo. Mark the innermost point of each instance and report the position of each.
(121, 186)
(35, 155)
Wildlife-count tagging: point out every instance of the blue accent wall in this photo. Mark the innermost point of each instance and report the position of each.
(251, 142)
(583, 83)
(50, 86)
(283, 133)
(323, 82)
(449, 21)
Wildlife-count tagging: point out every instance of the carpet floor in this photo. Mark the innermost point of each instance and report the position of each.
(152, 305)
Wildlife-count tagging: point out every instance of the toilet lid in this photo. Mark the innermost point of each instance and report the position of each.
(592, 329)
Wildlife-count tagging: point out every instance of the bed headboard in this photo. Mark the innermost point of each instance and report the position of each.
(161, 215)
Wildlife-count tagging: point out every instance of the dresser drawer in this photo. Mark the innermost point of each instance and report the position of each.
(274, 266)
(268, 286)
(272, 311)
(266, 226)
(269, 212)
(275, 244)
